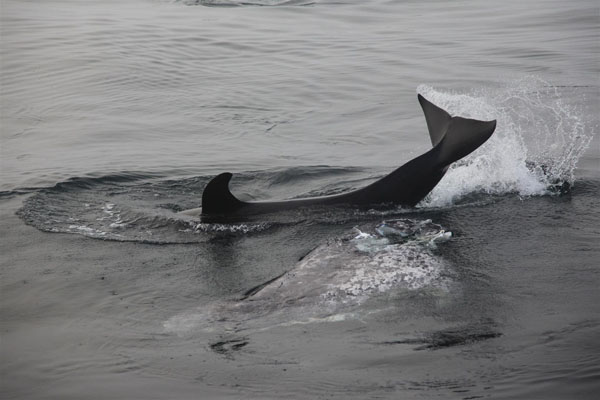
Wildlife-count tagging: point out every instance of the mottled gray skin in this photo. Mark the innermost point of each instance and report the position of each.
(452, 138)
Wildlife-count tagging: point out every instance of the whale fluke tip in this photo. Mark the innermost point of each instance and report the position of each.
(437, 120)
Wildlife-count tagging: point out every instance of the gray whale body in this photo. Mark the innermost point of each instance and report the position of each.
(452, 138)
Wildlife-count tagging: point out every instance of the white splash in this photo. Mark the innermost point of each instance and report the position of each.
(86, 230)
(405, 266)
(231, 228)
(536, 145)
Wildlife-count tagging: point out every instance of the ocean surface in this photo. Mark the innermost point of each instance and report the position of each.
(115, 115)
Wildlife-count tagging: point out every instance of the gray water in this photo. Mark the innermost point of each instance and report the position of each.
(115, 114)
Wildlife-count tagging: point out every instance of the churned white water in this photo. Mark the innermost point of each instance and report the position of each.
(537, 142)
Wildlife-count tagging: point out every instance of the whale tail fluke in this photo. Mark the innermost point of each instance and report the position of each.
(455, 137)
(217, 198)
(437, 120)
(463, 137)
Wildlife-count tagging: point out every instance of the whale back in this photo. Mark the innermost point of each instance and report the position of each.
(452, 138)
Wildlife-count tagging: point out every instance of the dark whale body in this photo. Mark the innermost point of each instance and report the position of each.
(452, 138)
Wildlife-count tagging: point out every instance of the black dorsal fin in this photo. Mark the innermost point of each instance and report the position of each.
(217, 199)
(437, 119)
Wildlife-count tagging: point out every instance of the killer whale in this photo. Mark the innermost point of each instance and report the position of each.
(452, 138)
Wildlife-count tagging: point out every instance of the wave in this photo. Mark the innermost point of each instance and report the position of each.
(127, 207)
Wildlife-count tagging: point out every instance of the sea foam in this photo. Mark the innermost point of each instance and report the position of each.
(538, 140)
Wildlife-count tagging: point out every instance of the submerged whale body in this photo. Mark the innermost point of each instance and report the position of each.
(452, 138)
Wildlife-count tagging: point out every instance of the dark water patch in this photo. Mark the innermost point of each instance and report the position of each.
(86, 182)
(586, 187)
(7, 194)
(91, 181)
(450, 337)
(311, 173)
(228, 346)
